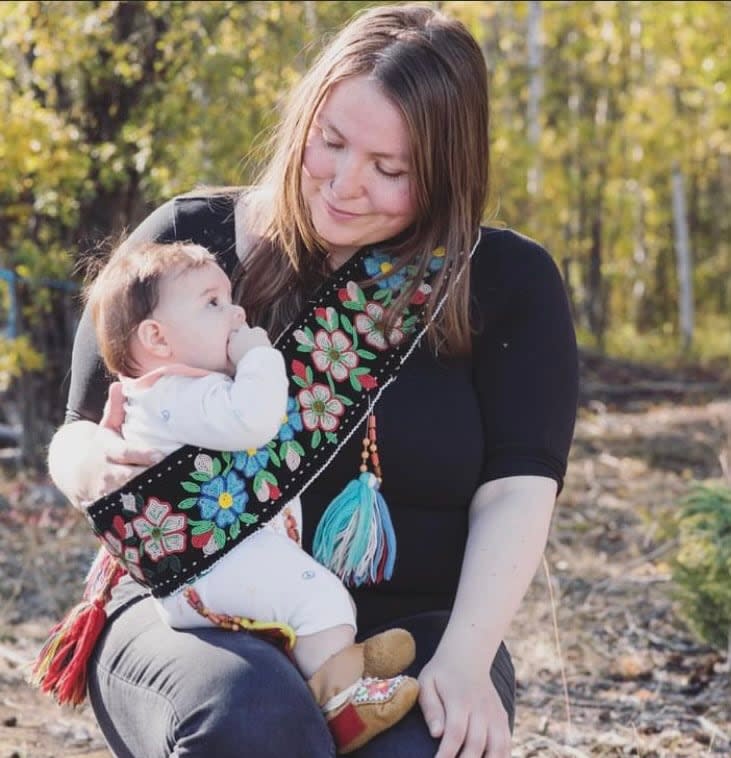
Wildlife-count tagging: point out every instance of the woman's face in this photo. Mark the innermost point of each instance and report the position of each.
(357, 175)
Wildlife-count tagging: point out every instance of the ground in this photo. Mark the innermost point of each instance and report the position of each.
(605, 665)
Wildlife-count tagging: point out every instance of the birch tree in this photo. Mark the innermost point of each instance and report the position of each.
(683, 259)
(535, 94)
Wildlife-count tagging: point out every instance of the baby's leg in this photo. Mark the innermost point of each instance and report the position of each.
(267, 578)
(355, 685)
(312, 650)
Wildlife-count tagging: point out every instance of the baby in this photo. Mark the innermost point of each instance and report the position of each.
(193, 372)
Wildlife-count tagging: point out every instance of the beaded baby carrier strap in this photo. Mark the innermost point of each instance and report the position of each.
(174, 521)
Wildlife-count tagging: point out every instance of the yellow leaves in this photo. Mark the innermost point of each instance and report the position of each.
(127, 70)
(7, 71)
(18, 356)
(274, 12)
(693, 98)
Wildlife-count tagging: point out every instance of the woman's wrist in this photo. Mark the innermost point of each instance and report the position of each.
(481, 640)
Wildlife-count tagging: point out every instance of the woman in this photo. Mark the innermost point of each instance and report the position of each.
(384, 143)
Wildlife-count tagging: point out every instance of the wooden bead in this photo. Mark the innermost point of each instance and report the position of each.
(363, 469)
(373, 448)
(365, 455)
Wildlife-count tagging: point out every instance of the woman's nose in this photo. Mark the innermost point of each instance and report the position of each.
(346, 183)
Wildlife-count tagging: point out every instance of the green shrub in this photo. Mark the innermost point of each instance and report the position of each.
(701, 569)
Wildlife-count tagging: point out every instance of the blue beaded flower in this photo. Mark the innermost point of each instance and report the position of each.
(292, 421)
(377, 264)
(251, 461)
(223, 499)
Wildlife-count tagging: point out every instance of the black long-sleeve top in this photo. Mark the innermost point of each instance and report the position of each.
(445, 426)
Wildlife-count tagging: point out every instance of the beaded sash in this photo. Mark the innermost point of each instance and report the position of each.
(171, 523)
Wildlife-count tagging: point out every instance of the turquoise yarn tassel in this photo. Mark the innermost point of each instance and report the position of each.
(355, 538)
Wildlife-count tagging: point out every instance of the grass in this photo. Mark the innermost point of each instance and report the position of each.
(711, 346)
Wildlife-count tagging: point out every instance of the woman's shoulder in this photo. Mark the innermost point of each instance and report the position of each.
(185, 217)
(206, 216)
(506, 256)
(203, 204)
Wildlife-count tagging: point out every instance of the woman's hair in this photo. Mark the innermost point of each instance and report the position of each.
(433, 71)
(127, 291)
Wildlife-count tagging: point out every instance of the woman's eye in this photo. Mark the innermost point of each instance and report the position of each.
(329, 143)
(390, 174)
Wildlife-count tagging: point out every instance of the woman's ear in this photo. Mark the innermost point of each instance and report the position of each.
(151, 335)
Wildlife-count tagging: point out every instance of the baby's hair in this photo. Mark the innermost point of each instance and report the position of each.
(127, 291)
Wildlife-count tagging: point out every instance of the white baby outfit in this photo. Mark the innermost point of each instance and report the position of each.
(268, 576)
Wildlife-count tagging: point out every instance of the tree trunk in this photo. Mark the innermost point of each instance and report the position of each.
(597, 309)
(683, 259)
(535, 94)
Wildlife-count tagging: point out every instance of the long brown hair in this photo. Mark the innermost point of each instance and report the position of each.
(432, 69)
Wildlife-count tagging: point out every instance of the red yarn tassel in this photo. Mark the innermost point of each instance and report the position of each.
(60, 668)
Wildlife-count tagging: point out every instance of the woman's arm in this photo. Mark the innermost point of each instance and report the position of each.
(508, 529)
(509, 521)
(525, 372)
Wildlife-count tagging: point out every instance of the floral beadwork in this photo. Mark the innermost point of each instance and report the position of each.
(372, 690)
(127, 555)
(223, 499)
(371, 325)
(334, 354)
(321, 408)
(292, 422)
(248, 462)
(380, 264)
(437, 259)
(161, 531)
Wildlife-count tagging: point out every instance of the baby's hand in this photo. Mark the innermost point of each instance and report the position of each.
(244, 339)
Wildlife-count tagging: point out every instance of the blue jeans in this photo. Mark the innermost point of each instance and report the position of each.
(157, 692)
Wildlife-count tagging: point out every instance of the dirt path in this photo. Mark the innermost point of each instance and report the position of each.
(638, 684)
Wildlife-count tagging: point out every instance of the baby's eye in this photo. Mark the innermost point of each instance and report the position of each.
(214, 302)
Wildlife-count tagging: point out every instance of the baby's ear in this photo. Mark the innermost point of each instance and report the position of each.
(151, 335)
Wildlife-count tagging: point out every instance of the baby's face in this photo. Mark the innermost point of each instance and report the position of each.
(198, 317)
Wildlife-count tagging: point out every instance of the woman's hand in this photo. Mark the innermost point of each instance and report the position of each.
(462, 706)
(87, 461)
(508, 526)
(113, 462)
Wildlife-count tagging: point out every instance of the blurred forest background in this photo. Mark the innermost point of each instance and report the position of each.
(611, 145)
(610, 134)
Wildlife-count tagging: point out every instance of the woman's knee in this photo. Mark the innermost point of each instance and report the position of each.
(223, 693)
(253, 703)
